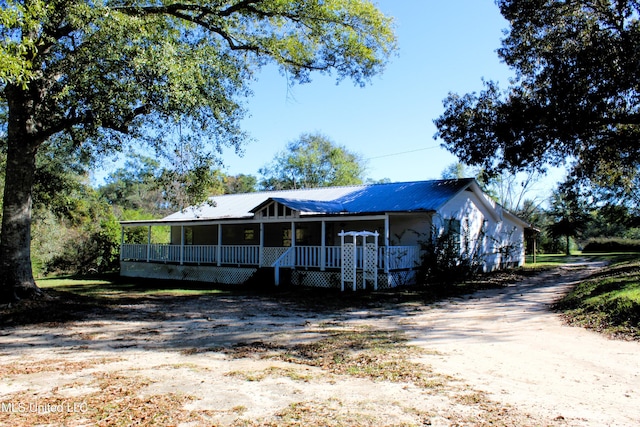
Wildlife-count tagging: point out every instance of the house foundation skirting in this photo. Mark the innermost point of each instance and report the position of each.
(331, 279)
(240, 275)
(196, 273)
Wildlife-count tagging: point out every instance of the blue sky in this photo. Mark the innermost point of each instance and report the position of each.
(444, 46)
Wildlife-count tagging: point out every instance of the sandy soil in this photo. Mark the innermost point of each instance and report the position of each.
(507, 343)
(497, 357)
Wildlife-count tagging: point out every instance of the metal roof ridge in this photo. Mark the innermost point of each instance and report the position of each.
(371, 184)
(290, 190)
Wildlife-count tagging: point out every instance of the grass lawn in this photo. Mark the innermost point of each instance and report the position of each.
(609, 301)
(71, 298)
(550, 260)
(113, 286)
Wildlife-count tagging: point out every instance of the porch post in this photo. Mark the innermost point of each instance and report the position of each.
(355, 262)
(121, 241)
(260, 254)
(323, 246)
(386, 243)
(219, 248)
(181, 244)
(342, 258)
(149, 244)
(293, 243)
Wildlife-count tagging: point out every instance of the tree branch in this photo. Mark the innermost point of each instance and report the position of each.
(198, 15)
(204, 16)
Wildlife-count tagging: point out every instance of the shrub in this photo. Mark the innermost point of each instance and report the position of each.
(612, 245)
(609, 301)
(91, 254)
(444, 262)
(94, 248)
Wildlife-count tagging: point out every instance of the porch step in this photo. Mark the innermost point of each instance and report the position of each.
(264, 278)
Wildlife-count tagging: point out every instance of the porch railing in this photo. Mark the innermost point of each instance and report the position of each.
(389, 257)
(192, 254)
(399, 257)
(286, 260)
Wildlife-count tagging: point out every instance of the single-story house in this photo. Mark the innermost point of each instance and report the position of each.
(341, 237)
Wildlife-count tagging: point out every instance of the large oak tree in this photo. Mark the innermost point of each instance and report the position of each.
(575, 98)
(103, 74)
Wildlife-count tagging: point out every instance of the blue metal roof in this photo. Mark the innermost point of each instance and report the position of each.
(359, 199)
(403, 197)
(311, 206)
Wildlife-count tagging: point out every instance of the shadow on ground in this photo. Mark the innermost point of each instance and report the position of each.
(156, 315)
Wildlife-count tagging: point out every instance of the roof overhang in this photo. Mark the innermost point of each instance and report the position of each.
(249, 220)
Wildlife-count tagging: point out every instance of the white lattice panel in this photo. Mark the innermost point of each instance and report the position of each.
(211, 274)
(371, 257)
(271, 254)
(348, 262)
(331, 279)
(316, 279)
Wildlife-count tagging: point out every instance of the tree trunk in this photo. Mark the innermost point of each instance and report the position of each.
(568, 251)
(16, 276)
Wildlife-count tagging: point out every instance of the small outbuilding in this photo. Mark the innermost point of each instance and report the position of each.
(370, 234)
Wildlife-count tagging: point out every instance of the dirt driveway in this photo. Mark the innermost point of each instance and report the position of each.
(507, 343)
(497, 357)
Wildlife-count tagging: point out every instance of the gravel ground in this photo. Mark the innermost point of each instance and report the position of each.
(497, 357)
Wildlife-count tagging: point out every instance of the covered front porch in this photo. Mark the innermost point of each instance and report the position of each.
(232, 251)
(322, 258)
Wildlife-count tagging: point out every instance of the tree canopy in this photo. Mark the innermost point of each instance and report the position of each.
(509, 190)
(104, 74)
(575, 98)
(312, 161)
(569, 213)
(135, 186)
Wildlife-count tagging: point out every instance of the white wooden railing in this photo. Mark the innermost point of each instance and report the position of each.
(398, 257)
(164, 253)
(133, 252)
(286, 260)
(240, 255)
(192, 254)
(328, 257)
(201, 254)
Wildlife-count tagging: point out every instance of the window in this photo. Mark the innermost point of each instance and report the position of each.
(453, 231)
(452, 225)
(188, 236)
(302, 236)
(286, 237)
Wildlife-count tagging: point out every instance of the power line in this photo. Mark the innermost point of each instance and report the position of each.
(403, 152)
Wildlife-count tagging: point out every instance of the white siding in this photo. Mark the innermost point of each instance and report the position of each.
(486, 228)
(409, 229)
